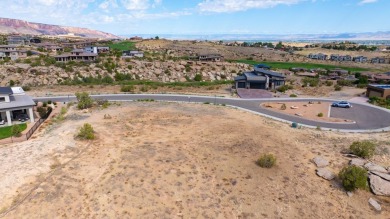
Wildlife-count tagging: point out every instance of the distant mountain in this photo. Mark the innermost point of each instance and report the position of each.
(15, 26)
(370, 36)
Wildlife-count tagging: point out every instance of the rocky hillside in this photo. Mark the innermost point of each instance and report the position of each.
(169, 71)
(14, 26)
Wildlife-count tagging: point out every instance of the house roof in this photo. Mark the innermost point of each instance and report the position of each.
(6, 90)
(269, 73)
(252, 76)
(18, 102)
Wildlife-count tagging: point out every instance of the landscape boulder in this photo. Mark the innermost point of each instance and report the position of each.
(357, 162)
(379, 186)
(384, 176)
(320, 162)
(374, 167)
(325, 173)
(374, 204)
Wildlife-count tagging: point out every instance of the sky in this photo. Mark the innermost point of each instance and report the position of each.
(131, 17)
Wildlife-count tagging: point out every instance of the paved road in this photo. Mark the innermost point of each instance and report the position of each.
(368, 118)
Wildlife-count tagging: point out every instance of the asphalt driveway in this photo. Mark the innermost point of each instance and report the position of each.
(368, 118)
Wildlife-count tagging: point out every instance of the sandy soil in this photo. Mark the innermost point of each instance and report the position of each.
(169, 160)
(305, 110)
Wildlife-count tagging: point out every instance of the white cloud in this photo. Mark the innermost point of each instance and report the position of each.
(240, 5)
(367, 1)
(135, 4)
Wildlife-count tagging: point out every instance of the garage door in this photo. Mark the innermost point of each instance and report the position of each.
(257, 86)
(241, 85)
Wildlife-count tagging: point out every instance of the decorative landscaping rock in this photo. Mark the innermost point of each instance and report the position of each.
(379, 186)
(320, 162)
(373, 167)
(357, 162)
(384, 176)
(325, 173)
(374, 204)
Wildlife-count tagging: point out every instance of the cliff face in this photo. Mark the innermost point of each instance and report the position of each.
(8, 26)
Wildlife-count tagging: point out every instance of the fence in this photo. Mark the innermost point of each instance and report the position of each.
(30, 132)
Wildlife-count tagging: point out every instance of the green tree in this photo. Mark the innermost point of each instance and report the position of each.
(84, 100)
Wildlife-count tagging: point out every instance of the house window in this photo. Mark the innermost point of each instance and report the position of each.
(2, 99)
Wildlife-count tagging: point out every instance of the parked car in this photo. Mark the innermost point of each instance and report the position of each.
(2, 122)
(22, 117)
(342, 104)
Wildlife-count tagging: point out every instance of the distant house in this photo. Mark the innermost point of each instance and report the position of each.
(340, 72)
(297, 69)
(132, 53)
(340, 58)
(35, 40)
(260, 78)
(360, 59)
(13, 104)
(136, 38)
(378, 90)
(318, 56)
(97, 49)
(17, 40)
(76, 55)
(378, 60)
(11, 52)
(211, 57)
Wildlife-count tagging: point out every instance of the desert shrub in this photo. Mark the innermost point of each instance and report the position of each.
(26, 88)
(329, 83)
(44, 104)
(361, 85)
(86, 132)
(312, 82)
(365, 149)
(320, 114)
(293, 95)
(84, 100)
(144, 89)
(283, 107)
(353, 177)
(127, 88)
(198, 77)
(42, 111)
(345, 83)
(266, 161)
(284, 88)
(49, 102)
(337, 87)
(16, 131)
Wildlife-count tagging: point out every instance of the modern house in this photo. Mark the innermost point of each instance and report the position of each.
(318, 56)
(260, 78)
(378, 90)
(12, 52)
(211, 57)
(17, 40)
(339, 58)
(360, 59)
(97, 49)
(378, 60)
(131, 54)
(76, 55)
(14, 104)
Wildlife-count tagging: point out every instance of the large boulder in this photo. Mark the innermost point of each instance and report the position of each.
(379, 186)
(325, 173)
(374, 167)
(320, 162)
(384, 176)
(358, 162)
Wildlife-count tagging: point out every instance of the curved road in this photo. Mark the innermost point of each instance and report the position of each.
(368, 118)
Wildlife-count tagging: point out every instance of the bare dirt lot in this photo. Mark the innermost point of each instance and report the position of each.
(317, 111)
(169, 160)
